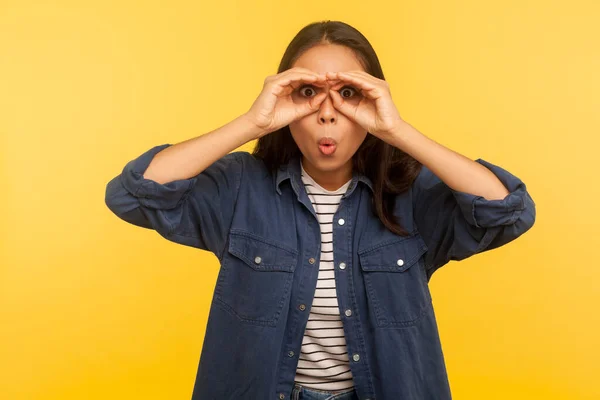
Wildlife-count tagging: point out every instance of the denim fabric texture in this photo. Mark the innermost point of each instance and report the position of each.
(263, 230)
(302, 393)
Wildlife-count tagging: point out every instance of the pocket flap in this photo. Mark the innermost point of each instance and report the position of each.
(395, 256)
(260, 254)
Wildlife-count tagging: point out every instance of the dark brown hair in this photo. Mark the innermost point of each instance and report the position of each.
(391, 170)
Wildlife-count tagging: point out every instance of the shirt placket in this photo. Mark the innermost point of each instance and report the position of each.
(342, 238)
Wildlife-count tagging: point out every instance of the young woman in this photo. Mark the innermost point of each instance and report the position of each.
(327, 234)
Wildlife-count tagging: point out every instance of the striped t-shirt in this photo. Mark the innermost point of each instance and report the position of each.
(323, 363)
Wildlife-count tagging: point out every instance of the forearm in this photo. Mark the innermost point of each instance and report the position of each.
(189, 158)
(455, 170)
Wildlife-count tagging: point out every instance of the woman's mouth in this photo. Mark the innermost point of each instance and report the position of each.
(327, 146)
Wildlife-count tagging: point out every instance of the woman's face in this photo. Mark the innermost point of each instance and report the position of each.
(336, 168)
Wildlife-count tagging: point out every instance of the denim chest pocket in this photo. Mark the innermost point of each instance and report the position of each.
(395, 281)
(255, 278)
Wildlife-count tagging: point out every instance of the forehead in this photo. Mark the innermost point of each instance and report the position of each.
(329, 58)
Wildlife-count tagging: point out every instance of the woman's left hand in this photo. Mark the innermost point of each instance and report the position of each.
(374, 110)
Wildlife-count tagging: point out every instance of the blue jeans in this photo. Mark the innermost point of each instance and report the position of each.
(304, 393)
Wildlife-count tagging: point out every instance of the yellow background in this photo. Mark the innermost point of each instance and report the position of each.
(94, 308)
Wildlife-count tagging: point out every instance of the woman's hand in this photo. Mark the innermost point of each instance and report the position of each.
(274, 108)
(375, 112)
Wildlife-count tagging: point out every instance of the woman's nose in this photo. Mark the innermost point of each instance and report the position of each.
(327, 112)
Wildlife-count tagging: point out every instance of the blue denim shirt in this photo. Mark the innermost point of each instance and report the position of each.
(265, 233)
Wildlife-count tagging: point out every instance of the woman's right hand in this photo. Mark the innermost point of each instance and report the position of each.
(275, 108)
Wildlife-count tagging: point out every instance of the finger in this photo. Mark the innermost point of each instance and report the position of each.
(341, 105)
(297, 70)
(336, 84)
(296, 80)
(320, 82)
(356, 74)
(312, 105)
(367, 76)
(356, 79)
(381, 83)
(298, 77)
(337, 75)
(368, 89)
(344, 77)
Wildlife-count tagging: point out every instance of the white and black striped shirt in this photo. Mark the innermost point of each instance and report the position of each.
(323, 362)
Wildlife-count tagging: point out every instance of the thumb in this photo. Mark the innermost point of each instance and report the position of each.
(340, 104)
(313, 105)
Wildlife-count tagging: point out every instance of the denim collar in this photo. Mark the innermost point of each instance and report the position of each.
(292, 170)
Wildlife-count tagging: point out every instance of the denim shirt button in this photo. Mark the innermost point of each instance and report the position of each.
(302, 307)
(341, 221)
(311, 260)
(281, 396)
(356, 357)
(342, 265)
(400, 262)
(257, 260)
(348, 312)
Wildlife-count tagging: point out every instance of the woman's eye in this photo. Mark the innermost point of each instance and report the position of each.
(345, 89)
(309, 91)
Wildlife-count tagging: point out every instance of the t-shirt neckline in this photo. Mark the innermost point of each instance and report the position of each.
(307, 177)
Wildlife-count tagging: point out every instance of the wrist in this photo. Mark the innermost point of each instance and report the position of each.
(251, 127)
(402, 134)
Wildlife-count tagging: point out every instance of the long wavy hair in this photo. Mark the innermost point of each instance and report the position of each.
(390, 170)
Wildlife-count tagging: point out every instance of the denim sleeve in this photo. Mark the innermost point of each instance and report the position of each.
(195, 212)
(456, 225)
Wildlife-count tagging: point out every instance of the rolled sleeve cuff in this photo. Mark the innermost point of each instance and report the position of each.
(152, 194)
(484, 213)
